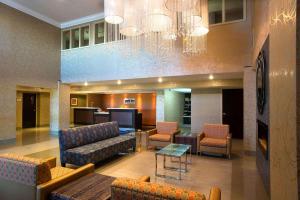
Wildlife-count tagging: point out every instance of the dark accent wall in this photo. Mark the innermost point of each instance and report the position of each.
(262, 163)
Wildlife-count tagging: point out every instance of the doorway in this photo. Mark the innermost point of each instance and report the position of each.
(233, 111)
(29, 110)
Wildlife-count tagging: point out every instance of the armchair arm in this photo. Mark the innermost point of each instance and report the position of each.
(51, 162)
(148, 134)
(215, 194)
(173, 134)
(44, 189)
(229, 144)
(200, 136)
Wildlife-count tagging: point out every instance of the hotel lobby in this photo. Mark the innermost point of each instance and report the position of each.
(149, 99)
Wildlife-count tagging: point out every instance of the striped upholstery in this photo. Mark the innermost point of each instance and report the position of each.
(218, 131)
(124, 188)
(24, 170)
(166, 127)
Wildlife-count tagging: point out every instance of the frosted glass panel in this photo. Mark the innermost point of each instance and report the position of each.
(215, 11)
(234, 10)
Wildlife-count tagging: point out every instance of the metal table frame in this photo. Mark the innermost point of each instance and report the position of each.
(179, 169)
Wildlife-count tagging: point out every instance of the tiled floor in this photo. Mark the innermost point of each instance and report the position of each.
(238, 178)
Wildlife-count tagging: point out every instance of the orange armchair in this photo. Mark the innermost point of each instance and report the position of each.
(163, 135)
(215, 138)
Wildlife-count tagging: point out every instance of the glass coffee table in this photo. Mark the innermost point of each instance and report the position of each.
(174, 151)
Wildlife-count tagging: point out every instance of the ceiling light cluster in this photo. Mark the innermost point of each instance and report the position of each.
(161, 25)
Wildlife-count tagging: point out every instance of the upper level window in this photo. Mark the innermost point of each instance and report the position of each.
(84, 36)
(75, 37)
(99, 32)
(222, 11)
(66, 39)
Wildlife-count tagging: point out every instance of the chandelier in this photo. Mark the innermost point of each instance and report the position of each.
(161, 26)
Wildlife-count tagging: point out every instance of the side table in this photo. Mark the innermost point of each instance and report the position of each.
(189, 140)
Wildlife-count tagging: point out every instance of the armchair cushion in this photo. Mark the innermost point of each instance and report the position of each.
(218, 131)
(166, 127)
(212, 142)
(160, 137)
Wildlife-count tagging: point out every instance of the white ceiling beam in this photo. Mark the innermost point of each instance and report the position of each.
(82, 20)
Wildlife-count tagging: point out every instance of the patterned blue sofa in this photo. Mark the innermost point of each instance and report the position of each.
(94, 143)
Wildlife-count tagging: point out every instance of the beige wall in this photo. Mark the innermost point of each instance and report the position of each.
(43, 109)
(206, 108)
(249, 109)
(283, 135)
(30, 56)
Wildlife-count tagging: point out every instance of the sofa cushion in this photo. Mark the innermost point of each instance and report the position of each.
(25, 170)
(57, 172)
(219, 131)
(95, 152)
(79, 136)
(166, 127)
(124, 188)
(160, 137)
(213, 142)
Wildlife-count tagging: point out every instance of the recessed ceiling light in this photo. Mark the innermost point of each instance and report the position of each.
(119, 82)
(160, 80)
(211, 77)
(86, 83)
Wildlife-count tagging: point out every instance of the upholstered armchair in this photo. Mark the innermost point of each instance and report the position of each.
(215, 138)
(30, 178)
(163, 134)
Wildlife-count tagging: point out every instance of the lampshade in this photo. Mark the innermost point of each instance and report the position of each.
(114, 11)
(132, 25)
(158, 17)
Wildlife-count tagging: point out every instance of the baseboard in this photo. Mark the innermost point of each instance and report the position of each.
(8, 141)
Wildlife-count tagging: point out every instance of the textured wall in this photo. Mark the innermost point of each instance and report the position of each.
(229, 50)
(250, 109)
(29, 55)
(283, 134)
(206, 108)
(160, 106)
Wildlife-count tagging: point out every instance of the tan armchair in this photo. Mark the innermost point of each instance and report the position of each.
(215, 138)
(29, 178)
(163, 134)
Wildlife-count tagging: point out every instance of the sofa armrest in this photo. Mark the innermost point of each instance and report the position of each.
(215, 194)
(43, 190)
(144, 179)
(51, 162)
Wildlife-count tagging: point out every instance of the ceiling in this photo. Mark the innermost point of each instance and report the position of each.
(61, 13)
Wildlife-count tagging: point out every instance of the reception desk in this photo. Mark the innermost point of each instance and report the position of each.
(126, 117)
(84, 115)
